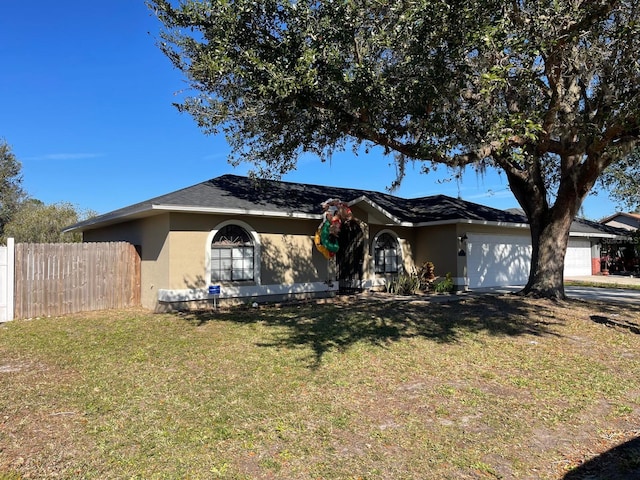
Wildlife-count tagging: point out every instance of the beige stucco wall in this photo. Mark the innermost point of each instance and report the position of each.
(174, 249)
(286, 250)
(288, 254)
(438, 244)
(187, 260)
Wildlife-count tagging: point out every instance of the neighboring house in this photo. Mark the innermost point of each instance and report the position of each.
(626, 221)
(622, 257)
(255, 240)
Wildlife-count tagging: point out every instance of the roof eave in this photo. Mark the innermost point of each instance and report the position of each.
(471, 222)
(237, 211)
(109, 219)
(634, 216)
(378, 209)
(150, 210)
(598, 235)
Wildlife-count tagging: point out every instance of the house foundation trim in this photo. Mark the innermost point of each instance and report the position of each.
(461, 283)
(239, 292)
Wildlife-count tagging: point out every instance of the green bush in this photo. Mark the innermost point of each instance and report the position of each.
(446, 285)
(404, 284)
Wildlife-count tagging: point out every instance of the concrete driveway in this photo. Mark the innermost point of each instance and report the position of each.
(610, 289)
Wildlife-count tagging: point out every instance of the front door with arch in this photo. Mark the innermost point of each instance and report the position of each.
(350, 257)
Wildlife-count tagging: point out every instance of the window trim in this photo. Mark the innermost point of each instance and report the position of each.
(256, 253)
(400, 258)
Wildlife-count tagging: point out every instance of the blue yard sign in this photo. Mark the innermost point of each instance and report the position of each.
(215, 291)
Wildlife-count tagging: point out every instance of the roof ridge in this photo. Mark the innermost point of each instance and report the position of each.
(301, 184)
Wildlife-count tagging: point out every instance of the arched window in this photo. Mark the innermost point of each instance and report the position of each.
(386, 253)
(232, 252)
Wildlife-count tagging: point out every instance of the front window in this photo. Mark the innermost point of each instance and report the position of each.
(386, 254)
(232, 255)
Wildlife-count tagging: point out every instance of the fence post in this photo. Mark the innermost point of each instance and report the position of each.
(7, 279)
(11, 277)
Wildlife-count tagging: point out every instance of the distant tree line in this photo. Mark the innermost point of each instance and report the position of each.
(26, 219)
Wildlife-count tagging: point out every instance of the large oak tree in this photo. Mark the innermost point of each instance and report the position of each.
(545, 90)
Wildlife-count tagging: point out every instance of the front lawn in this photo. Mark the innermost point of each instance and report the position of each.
(485, 387)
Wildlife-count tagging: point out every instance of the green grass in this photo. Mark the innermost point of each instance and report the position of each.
(488, 387)
(596, 283)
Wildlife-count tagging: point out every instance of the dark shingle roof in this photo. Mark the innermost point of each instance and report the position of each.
(233, 192)
(243, 193)
(582, 225)
(441, 208)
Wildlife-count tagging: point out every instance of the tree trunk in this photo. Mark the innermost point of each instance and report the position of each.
(549, 240)
(550, 227)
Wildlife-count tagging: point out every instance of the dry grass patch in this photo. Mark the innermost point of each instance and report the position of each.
(488, 387)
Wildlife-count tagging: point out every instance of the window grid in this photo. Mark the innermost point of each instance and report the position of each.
(232, 254)
(386, 254)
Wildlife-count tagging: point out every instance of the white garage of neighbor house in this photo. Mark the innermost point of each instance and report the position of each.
(268, 227)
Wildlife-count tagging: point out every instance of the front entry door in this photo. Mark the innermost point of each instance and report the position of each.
(350, 257)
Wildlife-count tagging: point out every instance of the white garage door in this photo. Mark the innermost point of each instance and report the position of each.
(496, 260)
(577, 262)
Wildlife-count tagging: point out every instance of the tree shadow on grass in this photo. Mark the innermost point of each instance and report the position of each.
(619, 463)
(615, 320)
(341, 324)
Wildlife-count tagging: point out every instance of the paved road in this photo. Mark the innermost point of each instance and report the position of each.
(612, 292)
(619, 295)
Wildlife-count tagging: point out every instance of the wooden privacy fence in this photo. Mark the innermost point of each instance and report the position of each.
(60, 278)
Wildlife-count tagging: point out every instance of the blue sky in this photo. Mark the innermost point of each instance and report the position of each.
(86, 104)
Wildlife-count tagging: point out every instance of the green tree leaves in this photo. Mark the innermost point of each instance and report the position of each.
(281, 78)
(35, 222)
(11, 193)
(622, 181)
(547, 91)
